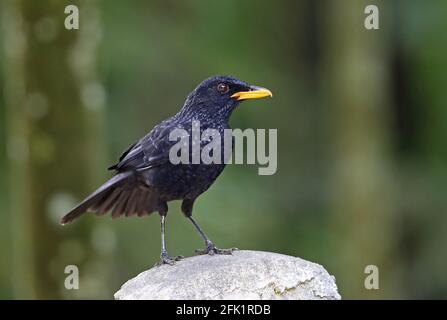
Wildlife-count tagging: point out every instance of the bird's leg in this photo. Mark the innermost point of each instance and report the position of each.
(210, 248)
(164, 258)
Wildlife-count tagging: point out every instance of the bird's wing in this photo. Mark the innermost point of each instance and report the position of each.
(123, 156)
(150, 151)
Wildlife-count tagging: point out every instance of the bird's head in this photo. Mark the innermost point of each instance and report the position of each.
(219, 95)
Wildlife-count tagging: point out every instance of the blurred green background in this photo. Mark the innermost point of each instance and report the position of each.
(362, 157)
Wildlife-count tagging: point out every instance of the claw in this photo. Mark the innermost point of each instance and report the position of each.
(165, 259)
(211, 249)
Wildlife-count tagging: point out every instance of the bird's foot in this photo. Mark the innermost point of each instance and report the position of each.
(211, 249)
(165, 259)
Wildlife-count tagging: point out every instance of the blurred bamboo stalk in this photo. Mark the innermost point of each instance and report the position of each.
(54, 115)
(359, 99)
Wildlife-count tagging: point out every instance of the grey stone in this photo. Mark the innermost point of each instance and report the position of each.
(242, 275)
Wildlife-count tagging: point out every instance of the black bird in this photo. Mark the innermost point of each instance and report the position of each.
(145, 179)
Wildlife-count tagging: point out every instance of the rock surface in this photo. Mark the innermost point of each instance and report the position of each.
(243, 275)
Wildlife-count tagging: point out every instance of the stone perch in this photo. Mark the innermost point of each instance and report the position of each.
(243, 275)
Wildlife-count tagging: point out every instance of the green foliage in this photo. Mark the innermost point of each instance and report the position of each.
(361, 153)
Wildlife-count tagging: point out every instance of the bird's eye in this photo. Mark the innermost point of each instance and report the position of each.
(222, 88)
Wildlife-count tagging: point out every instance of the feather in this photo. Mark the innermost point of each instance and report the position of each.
(120, 204)
(108, 203)
(96, 196)
(132, 202)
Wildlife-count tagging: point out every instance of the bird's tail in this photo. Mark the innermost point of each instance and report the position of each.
(122, 193)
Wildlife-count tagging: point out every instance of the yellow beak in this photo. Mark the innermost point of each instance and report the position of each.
(254, 93)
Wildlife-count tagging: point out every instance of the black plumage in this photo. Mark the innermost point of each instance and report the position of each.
(146, 180)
